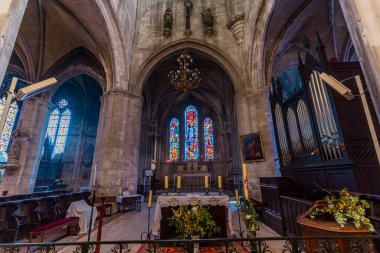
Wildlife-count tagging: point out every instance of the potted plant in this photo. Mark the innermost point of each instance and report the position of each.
(249, 216)
(347, 209)
(195, 222)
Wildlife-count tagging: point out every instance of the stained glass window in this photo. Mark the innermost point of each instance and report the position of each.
(191, 133)
(208, 138)
(9, 123)
(58, 127)
(174, 139)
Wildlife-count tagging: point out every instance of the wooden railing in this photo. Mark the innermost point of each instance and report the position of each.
(291, 208)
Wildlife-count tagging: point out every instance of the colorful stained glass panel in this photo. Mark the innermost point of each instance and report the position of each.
(191, 133)
(208, 137)
(174, 139)
(9, 123)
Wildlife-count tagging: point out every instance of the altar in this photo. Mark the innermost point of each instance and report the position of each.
(219, 207)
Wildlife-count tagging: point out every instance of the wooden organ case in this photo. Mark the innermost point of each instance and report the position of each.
(321, 137)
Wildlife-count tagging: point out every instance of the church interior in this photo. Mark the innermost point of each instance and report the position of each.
(219, 125)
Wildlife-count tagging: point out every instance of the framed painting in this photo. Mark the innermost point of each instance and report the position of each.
(86, 175)
(252, 149)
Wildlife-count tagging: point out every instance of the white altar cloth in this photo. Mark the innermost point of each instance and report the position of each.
(82, 210)
(213, 199)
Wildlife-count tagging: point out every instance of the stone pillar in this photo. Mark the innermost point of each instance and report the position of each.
(11, 13)
(363, 22)
(254, 115)
(27, 142)
(118, 143)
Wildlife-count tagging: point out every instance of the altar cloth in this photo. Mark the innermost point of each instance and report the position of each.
(213, 199)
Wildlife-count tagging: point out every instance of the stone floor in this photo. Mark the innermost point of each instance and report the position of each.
(130, 226)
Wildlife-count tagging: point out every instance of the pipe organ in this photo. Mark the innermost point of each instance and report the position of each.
(321, 137)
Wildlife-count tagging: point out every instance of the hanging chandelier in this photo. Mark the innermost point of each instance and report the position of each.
(185, 78)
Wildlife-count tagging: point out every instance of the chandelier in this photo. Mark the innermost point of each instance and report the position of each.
(184, 78)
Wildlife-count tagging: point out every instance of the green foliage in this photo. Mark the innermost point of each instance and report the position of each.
(195, 221)
(347, 208)
(249, 216)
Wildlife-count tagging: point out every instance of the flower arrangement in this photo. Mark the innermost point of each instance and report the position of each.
(347, 208)
(249, 216)
(191, 222)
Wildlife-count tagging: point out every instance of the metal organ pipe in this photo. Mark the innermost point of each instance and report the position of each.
(293, 131)
(282, 136)
(325, 119)
(305, 126)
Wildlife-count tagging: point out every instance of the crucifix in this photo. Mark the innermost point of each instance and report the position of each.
(189, 7)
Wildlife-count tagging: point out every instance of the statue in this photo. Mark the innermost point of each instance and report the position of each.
(208, 21)
(47, 149)
(18, 137)
(168, 22)
(189, 7)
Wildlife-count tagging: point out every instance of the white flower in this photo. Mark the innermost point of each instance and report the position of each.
(194, 208)
(248, 217)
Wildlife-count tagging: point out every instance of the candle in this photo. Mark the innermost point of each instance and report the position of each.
(150, 199)
(245, 181)
(166, 182)
(220, 182)
(178, 182)
(94, 180)
(206, 181)
(237, 197)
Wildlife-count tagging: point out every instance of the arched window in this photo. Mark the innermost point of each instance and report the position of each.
(191, 133)
(174, 139)
(9, 123)
(208, 138)
(58, 127)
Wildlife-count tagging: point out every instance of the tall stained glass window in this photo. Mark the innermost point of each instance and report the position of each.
(9, 123)
(174, 139)
(58, 127)
(208, 138)
(191, 133)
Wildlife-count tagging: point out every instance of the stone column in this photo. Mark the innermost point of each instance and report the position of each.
(254, 115)
(117, 144)
(11, 14)
(27, 142)
(363, 22)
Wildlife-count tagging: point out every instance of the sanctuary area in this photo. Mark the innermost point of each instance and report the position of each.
(189, 126)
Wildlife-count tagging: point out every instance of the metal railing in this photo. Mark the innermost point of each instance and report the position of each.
(330, 244)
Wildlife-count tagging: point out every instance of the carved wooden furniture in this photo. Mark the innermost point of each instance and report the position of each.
(26, 218)
(106, 201)
(315, 227)
(7, 234)
(323, 138)
(55, 230)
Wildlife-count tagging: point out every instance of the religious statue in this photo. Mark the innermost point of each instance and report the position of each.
(18, 137)
(208, 21)
(168, 22)
(188, 8)
(47, 149)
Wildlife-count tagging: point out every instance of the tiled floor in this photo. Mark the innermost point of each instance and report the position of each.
(130, 226)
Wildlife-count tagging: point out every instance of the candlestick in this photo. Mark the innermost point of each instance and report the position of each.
(166, 182)
(179, 182)
(150, 199)
(206, 182)
(94, 180)
(220, 182)
(237, 197)
(245, 181)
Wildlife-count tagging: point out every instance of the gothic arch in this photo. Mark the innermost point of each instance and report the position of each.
(215, 54)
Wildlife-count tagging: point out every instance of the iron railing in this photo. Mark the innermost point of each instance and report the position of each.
(331, 244)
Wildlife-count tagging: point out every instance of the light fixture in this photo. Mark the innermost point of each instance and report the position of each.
(23, 93)
(185, 78)
(346, 92)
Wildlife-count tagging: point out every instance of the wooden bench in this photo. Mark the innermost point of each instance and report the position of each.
(128, 201)
(55, 230)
